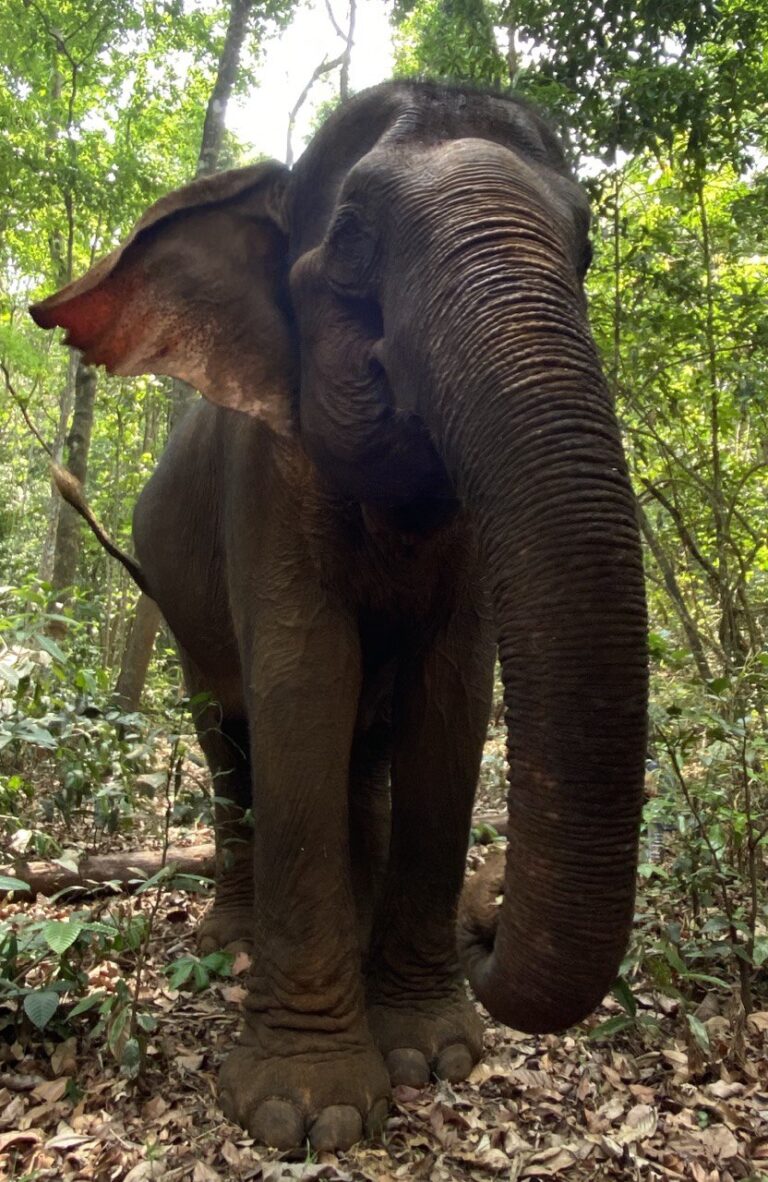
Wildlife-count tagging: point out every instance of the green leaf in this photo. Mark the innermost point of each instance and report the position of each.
(160, 877)
(218, 962)
(12, 884)
(52, 648)
(60, 934)
(87, 1003)
(699, 1032)
(30, 732)
(674, 958)
(180, 972)
(193, 883)
(116, 1029)
(40, 1007)
(201, 975)
(101, 929)
(624, 996)
(613, 1026)
(707, 979)
(130, 1060)
(760, 952)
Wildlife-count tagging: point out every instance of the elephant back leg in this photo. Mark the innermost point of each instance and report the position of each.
(418, 1011)
(225, 741)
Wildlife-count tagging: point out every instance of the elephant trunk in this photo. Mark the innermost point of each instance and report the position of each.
(525, 425)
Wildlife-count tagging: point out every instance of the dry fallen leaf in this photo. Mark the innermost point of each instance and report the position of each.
(154, 1108)
(719, 1142)
(205, 1173)
(723, 1091)
(64, 1057)
(641, 1122)
(234, 994)
(66, 1141)
(52, 1090)
(548, 1162)
(190, 1062)
(18, 1136)
(231, 1154)
(146, 1171)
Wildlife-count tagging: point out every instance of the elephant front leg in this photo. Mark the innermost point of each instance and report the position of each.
(418, 1010)
(306, 1065)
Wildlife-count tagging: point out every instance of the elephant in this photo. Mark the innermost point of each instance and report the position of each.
(406, 459)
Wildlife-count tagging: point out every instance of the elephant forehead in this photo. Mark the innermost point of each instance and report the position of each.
(384, 127)
(405, 183)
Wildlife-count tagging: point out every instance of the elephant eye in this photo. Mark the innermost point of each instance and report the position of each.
(351, 250)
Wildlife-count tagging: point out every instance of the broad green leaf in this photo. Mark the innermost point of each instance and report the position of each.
(760, 952)
(52, 648)
(60, 934)
(41, 1006)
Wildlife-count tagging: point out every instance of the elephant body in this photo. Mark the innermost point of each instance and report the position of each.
(408, 456)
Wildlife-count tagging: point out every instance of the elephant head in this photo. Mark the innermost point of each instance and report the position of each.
(407, 304)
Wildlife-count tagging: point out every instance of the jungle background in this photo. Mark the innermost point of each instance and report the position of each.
(111, 1027)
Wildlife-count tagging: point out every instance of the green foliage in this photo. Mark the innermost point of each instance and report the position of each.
(198, 972)
(86, 973)
(449, 39)
(59, 725)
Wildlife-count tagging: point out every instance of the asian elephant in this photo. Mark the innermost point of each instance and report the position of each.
(407, 455)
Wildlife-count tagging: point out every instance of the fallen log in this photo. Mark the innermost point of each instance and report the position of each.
(129, 868)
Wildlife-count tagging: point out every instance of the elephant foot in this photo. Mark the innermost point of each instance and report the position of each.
(227, 929)
(421, 1037)
(332, 1098)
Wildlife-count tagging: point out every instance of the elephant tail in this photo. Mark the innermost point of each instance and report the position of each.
(72, 491)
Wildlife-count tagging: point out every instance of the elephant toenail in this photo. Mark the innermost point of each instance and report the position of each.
(454, 1063)
(377, 1118)
(277, 1123)
(337, 1127)
(408, 1066)
(235, 947)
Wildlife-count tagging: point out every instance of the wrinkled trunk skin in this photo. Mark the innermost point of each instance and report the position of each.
(525, 425)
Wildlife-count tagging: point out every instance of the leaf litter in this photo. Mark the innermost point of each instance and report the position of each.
(646, 1104)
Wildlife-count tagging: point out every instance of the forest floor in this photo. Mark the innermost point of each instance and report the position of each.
(646, 1103)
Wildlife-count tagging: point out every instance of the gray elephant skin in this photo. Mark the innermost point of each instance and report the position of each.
(406, 455)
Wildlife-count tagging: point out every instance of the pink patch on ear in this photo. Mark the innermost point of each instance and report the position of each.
(94, 320)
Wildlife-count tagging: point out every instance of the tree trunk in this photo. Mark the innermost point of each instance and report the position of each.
(137, 654)
(215, 115)
(68, 533)
(138, 651)
(55, 504)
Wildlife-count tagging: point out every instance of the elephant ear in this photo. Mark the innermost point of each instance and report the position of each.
(196, 292)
